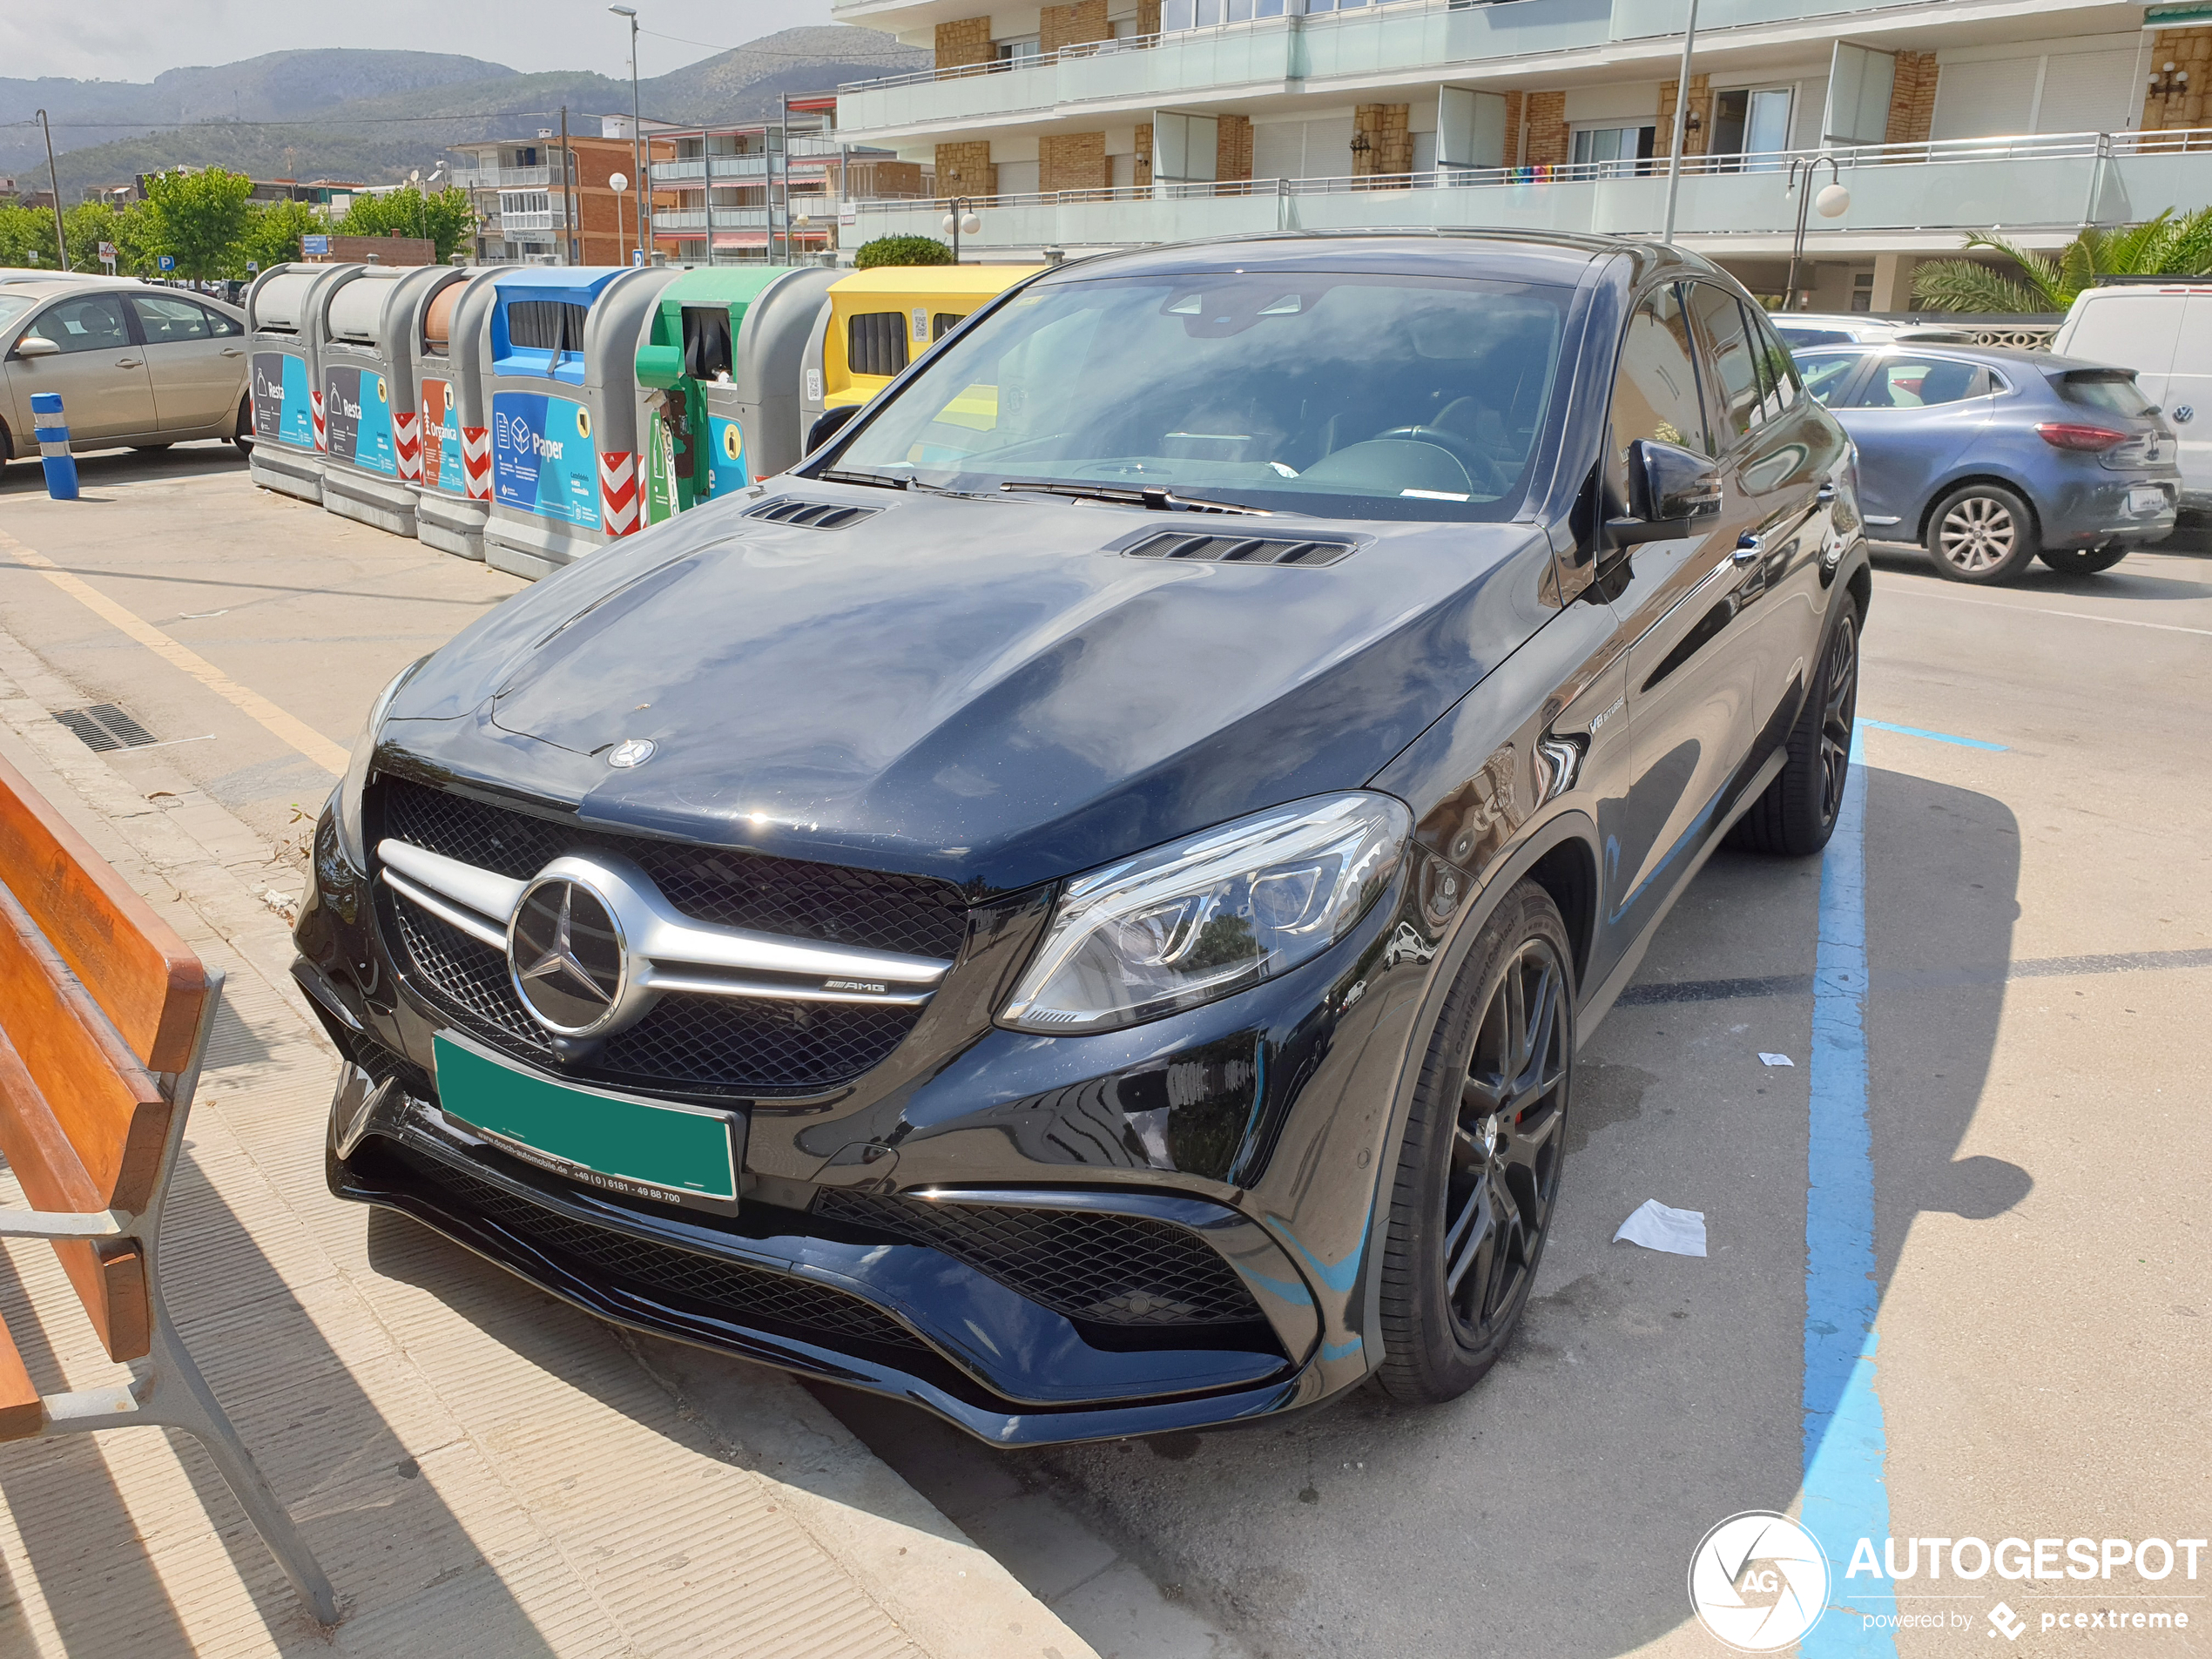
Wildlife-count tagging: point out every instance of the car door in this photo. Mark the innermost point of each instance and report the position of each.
(1912, 414)
(195, 358)
(1688, 693)
(99, 369)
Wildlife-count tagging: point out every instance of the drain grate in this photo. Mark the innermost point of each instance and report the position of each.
(105, 727)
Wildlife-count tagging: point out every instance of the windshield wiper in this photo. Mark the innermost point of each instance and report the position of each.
(874, 480)
(1156, 497)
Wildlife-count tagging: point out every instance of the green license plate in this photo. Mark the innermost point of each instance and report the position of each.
(646, 1148)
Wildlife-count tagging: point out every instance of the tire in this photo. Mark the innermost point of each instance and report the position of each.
(2082, 561)
(1982, 533)
(1478, 1174)
(242, 440)
(1797, 813)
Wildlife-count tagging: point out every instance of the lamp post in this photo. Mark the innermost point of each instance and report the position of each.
(54, 183)
(637, 128)
(962, 218)
(618, 182)
(1834, 201)
(1681, 123)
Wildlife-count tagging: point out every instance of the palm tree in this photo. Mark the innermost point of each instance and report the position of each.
(2162, 246)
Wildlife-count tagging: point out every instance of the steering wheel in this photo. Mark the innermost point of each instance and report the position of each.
(1489, 478)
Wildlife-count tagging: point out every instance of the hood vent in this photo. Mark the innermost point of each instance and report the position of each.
(811, 514)
(1240, 550)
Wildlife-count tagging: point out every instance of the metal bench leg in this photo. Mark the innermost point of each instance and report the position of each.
(182, 1400)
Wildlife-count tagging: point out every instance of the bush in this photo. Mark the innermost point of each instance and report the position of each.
(902, 249)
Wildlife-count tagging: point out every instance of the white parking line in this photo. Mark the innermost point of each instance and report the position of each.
(2045, 611)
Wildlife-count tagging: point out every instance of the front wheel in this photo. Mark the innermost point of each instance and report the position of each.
(1479, 1171)
(2081, 561)
(1982, 533)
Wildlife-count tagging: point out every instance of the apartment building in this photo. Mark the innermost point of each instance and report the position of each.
(540, 204)
(751, 194)
(1108, 123)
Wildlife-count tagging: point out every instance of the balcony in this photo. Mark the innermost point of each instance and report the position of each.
(2040, 188)
(691, 221)
(520, 223)
(1422, 40)
(502, 177)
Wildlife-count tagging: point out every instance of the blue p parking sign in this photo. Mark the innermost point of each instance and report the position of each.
(168, 262)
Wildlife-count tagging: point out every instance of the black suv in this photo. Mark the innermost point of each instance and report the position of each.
(1076, 906)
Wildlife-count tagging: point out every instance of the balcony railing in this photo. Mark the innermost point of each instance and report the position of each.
(502, 177)
(2037, 182)
(688, 220)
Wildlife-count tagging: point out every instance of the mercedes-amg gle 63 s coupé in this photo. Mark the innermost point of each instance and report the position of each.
(1075, 906)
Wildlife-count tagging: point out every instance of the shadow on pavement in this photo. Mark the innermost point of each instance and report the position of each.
(105, 467)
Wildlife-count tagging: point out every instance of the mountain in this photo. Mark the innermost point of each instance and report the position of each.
(374, 115)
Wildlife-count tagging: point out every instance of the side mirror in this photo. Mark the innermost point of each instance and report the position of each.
(1670, 489)
(829, 424)
(37, 345)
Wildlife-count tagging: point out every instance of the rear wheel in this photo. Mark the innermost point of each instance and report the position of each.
(1982, 533)
(243, 435)
(1479, 1171)
(2082, 561)
(1797, 813)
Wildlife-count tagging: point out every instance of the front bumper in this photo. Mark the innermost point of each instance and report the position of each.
(1255, 1126)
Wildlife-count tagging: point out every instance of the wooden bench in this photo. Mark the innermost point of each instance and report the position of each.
(104, 1015)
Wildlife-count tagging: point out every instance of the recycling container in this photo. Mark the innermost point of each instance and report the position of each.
(454, 495)
(717, 375)
(874, 323)
(372, 422)
(559, 351)
(284, 313)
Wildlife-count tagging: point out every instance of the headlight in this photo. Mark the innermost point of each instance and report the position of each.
(1211, 914)
(347, 797)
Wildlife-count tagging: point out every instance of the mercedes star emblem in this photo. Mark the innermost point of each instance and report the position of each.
(567, 956)
(630, 751)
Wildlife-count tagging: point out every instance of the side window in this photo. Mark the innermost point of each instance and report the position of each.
(1826, 375)
(1655, 388)
(1904, 383)
(219, 325)
(165, 321)
(89, 322)
(1778, 370)
(1733, 389)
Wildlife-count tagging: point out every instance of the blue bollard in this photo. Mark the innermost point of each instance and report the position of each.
(50, 428)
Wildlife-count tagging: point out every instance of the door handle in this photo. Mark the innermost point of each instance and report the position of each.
(233, 351)
(1747, 547)
(128, 362)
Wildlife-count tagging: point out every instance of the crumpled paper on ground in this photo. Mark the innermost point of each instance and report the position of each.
(1655, 1226)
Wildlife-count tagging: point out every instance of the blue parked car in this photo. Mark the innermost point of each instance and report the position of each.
(1989, 458)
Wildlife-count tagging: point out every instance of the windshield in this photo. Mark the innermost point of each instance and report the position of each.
(12, 306)
(1340, 395)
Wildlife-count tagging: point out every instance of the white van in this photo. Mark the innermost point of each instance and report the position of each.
(2163, 332)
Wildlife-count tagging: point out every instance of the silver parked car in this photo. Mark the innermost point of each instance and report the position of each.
(1802, 328)
(135, 364)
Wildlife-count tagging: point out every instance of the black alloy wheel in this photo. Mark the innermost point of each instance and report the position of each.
(1479, 1172)
(1797, 813)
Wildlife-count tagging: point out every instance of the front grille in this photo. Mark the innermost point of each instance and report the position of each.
(1110, 1269)
(828, 903)
(748, 1296)
(701, 1044)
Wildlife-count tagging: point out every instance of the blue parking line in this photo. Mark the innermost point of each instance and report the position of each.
(1846, 1448)
(1936, 737)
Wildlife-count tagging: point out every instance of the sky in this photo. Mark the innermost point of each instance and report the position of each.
(135, 40)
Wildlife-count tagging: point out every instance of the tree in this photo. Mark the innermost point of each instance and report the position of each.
(2162, 246)
(129, 228)
(27, 237)
(199, 219)
(902, 249)
(446, 218)
(274, 230)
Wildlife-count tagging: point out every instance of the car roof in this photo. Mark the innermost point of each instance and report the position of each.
(1530, 256)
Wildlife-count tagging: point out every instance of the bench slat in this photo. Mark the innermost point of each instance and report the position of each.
(21, 1415)
(106, 1105)
(145, 977)
(108, 1275)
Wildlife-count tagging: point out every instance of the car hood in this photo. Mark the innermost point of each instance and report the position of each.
(977, 690)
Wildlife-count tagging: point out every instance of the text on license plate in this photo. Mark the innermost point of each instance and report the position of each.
(2145, 498)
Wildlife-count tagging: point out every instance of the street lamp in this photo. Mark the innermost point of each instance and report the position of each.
(618, 182)
(1834, 201)
(1683, 121)
(637, 133)
(962, 218)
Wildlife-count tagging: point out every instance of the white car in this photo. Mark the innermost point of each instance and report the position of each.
(137, 365)
(2163, 331)
(1801, 328)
